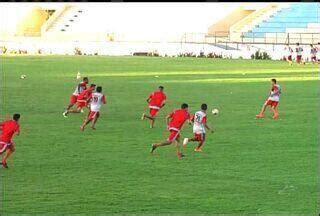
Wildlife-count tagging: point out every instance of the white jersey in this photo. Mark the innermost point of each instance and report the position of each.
(289, 51)
(199, 120)
(313, 52)
(275, 93)
(96, 101)
(299, 50)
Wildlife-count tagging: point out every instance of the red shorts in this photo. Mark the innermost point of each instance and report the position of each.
(73, 100)
(153, 112)
(299, 58)
(289, 58)
(272, 103)
(199, 137)
(81, 104)
(4, 146)
(93, 114)
(173, 135)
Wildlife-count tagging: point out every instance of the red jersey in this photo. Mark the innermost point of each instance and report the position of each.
(80, 88)
(9, 128)
(86, 94)
(178, 118)
(156, 99)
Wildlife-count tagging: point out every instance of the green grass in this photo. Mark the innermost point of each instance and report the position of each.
(247, 166)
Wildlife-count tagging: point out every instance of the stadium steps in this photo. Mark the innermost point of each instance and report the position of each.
(252, 20)
(54, 20)
(295, 19)
(64, 20)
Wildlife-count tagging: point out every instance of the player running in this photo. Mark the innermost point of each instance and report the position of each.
(73, 98)
(156, 101)
(97, 99)
(272, 100)
(199, 120)
(289, 52)
(313, 54)
(177, 119)
(82, 100)
(9, 128)
(299, 51)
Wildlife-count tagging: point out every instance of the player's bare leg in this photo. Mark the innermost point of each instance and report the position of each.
(78, 110)
(86, 121)
(263, 109)
(178, 149)
(152, 123)
(94, 122)
(198, 148)
(275, 112)
(152, 119)
(156, 145)
(6, 156)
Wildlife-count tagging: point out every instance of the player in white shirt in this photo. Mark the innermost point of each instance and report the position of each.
(96, 101)
(289, 52)
(272, 101)
(199, 120)
(313, 54)
(299, 51)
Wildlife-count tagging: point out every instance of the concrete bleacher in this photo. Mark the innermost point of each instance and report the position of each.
(297, 18)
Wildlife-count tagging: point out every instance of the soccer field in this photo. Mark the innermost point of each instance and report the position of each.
(247, 165)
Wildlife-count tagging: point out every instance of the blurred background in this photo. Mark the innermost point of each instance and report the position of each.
(167, 29)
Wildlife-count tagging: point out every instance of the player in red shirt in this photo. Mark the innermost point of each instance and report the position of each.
(73, 98)
(156, 101)
(9, 128)
(83, 100)
(177, 119)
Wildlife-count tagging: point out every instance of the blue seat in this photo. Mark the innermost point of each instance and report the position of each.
(298, 15)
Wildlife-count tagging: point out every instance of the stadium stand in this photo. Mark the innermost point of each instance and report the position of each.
(301, 20)
(60, 29)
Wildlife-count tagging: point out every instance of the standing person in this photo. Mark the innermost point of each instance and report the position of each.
(177, 119)
(299, 51)
(289, 52)
(156, 101)
(97, 99)
(272, 101)
(73, 98)
(82, 100)
(200, 125)
(9, 128)
(313, 54)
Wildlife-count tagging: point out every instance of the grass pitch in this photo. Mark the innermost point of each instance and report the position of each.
(247, 165)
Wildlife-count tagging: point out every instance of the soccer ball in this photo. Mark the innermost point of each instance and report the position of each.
(215, 111)
(23, 76)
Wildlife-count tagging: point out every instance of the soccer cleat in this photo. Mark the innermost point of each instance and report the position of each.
(198, 150)
(4, 165)
(153, 147)
(185, 141)
(65, 114)
(143, 116)
(275, 117)
(81, 128)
